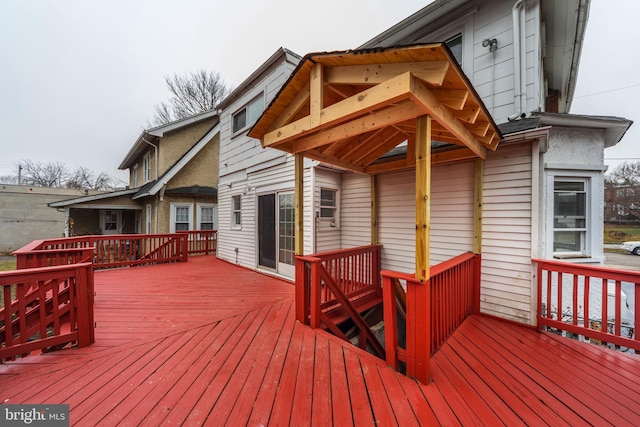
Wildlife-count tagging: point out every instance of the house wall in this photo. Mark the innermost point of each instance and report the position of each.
(202, 170)
(175, 144)
(327, 236)
(577, 153)
(247, 170)
(25, 216)
(492, 74)
(451, 214)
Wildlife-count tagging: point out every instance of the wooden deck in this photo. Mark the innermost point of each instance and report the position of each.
(166, 355)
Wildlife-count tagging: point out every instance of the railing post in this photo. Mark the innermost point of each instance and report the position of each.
(390, 321)
(477, 275)
(302, 292)
(84, 305)
(314, 301)
(184, 245)
(419, 330)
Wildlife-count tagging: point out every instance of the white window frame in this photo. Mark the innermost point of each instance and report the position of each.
(252, 110)
(236, 212)
(199, 207)
(134, 176)
(329, 221)
(591, 212)
(147, 219)
(174, 211)
(146, 168)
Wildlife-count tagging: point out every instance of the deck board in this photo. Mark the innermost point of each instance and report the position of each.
(211, 343)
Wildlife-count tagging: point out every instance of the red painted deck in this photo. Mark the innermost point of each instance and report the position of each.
(209, 343)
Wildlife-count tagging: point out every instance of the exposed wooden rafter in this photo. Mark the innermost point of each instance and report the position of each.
(349, 109)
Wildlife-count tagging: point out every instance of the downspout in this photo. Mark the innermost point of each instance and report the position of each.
(315, 214)
(518, 75)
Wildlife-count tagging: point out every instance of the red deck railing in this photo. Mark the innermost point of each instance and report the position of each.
(109, 250)
(434, 310)
(45, 308)
(201, 242)
(589, 303)
(333, 286)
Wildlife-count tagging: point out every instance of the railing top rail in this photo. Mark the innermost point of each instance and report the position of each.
(590, 270)
(434, 271)
(56, 251)
(341, 253)
(11, 274)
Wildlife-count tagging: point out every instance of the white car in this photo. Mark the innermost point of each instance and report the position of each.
(633, 247)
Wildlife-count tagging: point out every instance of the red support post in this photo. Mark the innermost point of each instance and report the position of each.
(477, 271)
(314, 301)
(83, 302)
(302, 294)
(390, 321)
(418, 330)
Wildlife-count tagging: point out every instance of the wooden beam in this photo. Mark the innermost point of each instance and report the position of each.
(446, 119)
(386, 167)
(294, 107)
(382, 149)
(431, 72)
(389, 92)
(374, 210)
(451, 156)
(331, 160)
(452, 98)
(477, 205)
(316, 94)
(423, 196)
(371, 122)
(299, 204)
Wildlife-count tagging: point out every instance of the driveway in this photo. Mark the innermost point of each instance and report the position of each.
(625, 261)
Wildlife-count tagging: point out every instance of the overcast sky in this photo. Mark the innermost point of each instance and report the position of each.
(79, 79)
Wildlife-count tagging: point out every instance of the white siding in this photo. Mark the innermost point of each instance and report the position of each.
(451, 215)
(506, 285)
(355, 210)
(492, 74)
(327, 238)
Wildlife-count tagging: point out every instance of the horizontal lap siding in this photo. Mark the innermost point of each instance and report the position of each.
(451, 215)
(506, 237)
(355, 210)
(327, 237)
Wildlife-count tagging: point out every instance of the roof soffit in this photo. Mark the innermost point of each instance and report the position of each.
(350, 108)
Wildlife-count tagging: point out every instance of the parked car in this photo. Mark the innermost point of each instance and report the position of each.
(633, 247)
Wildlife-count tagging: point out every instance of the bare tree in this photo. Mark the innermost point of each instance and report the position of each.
(191, 94)
(52, 174)
(83, 178)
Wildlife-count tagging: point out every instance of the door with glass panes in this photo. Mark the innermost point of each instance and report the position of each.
(276, 232)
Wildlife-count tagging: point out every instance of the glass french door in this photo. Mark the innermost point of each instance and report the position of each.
(276, 231)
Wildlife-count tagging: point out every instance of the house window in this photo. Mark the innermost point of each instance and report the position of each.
(207, 217)
(570, 216)
(181, 219)
(237, 213)
(134, 176)
(147, 220)
(111, 222)
(455, 45)
(146, 168)
(328, 207)
(248, 114)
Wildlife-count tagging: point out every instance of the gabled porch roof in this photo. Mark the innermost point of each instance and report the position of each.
(351, 108)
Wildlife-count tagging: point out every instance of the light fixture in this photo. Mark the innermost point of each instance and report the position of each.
(491, 43)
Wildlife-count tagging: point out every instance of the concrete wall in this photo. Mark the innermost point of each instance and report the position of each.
(25, 216)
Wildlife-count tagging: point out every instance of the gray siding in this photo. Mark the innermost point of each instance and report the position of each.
(506, 287)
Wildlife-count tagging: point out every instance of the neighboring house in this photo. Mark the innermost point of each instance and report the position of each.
(539, 194)
(621, 203)
(24, 215)
(173, 184)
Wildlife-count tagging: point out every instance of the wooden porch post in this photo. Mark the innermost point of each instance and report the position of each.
(418, 294)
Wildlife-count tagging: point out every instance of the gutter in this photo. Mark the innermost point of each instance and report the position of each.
(517, 13)
(581, 25)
